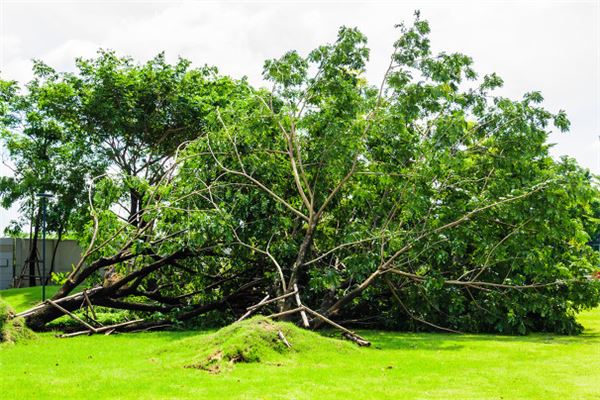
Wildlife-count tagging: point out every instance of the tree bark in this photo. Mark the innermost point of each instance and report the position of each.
(47, 313)
(32, 259)
(134, 207)
(54, 251)
(299, 262)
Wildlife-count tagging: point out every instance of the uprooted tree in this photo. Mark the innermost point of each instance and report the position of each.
(425, 202)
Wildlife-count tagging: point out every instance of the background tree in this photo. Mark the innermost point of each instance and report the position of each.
(136, 116)
(112, 116)
(45, 156)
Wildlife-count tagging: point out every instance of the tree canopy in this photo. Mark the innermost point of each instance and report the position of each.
(423, 202)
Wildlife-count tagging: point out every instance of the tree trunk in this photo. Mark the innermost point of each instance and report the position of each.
(47, 312)
(134, 207)
(54, 251)
(304, 249)
(32, 259)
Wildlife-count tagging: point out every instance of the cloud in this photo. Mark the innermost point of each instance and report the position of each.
(553, 47)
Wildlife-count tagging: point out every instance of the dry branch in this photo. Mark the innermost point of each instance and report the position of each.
(70, 314)
(159, 326)
(100, 330)
(299, 304)
(284, 313)
(349, 334)
(90, 306)
(262, 304)
(283, 339)
(57, 301)
(250, 310)
(356, 338)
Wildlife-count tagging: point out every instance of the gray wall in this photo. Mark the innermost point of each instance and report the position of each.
(6, 262)
(14, 252)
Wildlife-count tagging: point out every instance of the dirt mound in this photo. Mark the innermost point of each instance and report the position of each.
(256, 340)
(12, 329)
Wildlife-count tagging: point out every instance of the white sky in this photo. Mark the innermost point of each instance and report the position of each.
(550, 46)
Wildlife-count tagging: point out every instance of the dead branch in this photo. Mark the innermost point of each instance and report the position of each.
(250, 310)
(58, 301)
(262, 304)
(283, 339)
(299, 304)
(287, 312)
(90, 306)
(349, 334)
(102, 329)
(151, 327)
(70, 314)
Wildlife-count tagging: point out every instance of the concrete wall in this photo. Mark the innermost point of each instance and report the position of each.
(6, 262)
(14, 252)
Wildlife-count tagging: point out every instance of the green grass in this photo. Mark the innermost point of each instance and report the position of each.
(22, 299)
(255, 340)
(398, 365)
(12, 330)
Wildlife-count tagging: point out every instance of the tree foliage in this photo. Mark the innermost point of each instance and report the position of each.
(45, 154)
(424, 202)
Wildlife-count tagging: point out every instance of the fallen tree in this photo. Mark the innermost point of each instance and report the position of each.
(417, 203)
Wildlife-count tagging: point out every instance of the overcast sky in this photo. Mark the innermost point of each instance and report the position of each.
(550, 46)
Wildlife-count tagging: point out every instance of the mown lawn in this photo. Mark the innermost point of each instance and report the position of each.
(22, 299)
(399, 366)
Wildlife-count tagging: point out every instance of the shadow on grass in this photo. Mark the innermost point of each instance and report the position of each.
(391, 340)
(385, 340)
(22, 299)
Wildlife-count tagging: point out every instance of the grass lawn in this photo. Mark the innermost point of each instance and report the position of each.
(399, 366)
(22, 299)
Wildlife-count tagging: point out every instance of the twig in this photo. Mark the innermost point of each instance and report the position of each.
(73, 334)
(152, 327)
